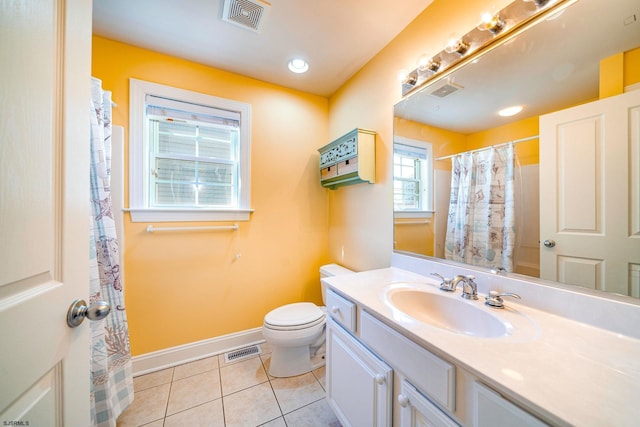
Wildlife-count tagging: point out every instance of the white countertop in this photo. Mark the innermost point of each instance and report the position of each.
(567, 372)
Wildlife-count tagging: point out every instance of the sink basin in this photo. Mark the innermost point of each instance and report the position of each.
(448, 312)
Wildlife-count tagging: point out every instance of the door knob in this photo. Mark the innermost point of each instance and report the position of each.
(549, 243)
(78, 310)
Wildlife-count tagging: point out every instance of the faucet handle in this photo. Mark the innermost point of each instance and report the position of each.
(494, 299)
(446, 284)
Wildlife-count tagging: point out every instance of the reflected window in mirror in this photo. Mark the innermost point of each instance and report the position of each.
(412, 178)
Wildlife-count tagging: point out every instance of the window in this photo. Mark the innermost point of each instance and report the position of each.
(189, 155)
(412, 178)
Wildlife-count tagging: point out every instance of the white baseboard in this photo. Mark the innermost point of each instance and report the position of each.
(167, 358)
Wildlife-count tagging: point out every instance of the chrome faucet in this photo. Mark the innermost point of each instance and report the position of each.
(469, 287)
(445, 284)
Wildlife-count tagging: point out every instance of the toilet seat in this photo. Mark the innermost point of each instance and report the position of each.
(300, 315)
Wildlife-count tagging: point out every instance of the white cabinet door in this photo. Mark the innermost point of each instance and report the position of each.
(418, 411)
(590, 195)
(492, 410)
(45, 52)
(359, 385)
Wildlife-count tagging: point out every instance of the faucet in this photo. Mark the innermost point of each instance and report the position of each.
(494, 299)
(469, 287)
(445, 284)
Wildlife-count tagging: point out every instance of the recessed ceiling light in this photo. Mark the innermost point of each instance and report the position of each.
(510, 111)
(298, 65)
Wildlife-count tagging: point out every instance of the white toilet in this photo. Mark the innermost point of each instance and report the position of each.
(296, 333)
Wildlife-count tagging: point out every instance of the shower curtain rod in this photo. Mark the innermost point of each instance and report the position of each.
(515, 141)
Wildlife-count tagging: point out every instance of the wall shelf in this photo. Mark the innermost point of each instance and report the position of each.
(349, 159)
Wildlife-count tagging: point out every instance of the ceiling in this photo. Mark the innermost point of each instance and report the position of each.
(336, 37)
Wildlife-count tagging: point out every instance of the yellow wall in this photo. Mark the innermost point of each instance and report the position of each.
(361, 217)
(186, 287)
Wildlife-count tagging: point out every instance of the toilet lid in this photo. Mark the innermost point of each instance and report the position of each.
(296, 314)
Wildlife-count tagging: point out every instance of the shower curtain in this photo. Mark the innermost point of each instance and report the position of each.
(111, 377)
(480, 225)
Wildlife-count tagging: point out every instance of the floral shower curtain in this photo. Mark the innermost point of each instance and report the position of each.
(480, 226)
(111, 377)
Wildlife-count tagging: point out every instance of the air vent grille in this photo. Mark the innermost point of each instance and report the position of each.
(445, 90)
(247, 14)
(242, 353)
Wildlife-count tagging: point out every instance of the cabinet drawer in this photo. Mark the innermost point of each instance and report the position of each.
(329, 172)
(341, 310)
(348, 166)
(434, 376)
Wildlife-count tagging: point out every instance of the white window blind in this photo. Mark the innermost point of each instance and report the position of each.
(193, 154)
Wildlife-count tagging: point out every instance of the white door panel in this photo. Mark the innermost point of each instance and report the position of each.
(45, 52)
(589, 194)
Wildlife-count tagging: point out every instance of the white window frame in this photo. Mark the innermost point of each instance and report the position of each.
(426, 180)
(139, 154)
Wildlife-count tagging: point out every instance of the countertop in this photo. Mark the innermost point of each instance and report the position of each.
(566, 372)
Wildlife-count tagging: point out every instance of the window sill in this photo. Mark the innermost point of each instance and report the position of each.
(188, 215)
(413, 214)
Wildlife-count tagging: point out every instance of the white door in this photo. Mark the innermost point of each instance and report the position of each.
(45, 54)
(589, 187)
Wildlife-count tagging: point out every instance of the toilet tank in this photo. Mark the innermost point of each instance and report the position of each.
(330, 270)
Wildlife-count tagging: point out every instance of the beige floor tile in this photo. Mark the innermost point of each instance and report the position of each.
(320, 375)
(153, 379)
(241, 375)
(251, 407)
(194, 368)
(159, 423)
(317, 414)
(209, 414)
(148, 405)
(278, 422)
(295, 392)
(192, 391)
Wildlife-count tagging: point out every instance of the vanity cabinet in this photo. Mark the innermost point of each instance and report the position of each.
(359, 384)
(366, 357)
(491, 410)
(348, 160)
(418, 411)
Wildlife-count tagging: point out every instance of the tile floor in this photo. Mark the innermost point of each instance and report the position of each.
(210, 392)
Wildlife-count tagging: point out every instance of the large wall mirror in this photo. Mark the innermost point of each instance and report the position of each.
(553, 65)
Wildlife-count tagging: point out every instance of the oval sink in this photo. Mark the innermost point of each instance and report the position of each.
(447, 312)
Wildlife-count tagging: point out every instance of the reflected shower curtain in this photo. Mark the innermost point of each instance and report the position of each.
(480, 226)
(111, 378)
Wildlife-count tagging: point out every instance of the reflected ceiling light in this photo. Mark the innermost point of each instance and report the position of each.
(298, 65)
(458, 46)
(510, 111)
(492, 23)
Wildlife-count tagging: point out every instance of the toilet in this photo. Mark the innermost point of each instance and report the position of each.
(296, 333)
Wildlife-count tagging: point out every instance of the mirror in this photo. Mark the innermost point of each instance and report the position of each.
(551, 66)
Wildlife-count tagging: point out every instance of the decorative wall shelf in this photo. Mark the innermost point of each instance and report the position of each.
(350, 159)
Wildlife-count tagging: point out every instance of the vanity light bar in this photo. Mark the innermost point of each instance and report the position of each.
(510, 21)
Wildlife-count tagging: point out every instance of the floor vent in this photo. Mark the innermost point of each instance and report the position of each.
(242, 353)
(247, 14)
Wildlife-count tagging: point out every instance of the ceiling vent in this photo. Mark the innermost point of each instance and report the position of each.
(445, 88)
(248, 14)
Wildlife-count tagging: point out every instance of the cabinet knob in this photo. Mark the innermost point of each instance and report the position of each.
(335, 309)
(379, 379)
(403, 400)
